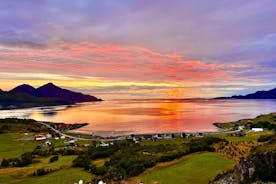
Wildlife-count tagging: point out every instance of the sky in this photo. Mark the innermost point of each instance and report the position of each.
(140, 48)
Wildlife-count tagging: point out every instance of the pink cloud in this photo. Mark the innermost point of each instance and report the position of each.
(115, 62)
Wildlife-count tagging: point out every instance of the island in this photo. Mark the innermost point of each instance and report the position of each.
(26, 96)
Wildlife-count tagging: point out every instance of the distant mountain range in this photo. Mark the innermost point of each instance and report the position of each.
(270, 94)
(24, 96)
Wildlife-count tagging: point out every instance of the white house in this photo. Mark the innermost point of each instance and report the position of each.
(101, 182)
(103, 144)
(40, 137)
(72, 141)
(48, 143)
(257, 129)
(62, 137)
(241, 127)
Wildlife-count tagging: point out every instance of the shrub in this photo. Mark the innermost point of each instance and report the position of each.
(264, 138)
(82, 161)
(5, 163)
(26, 158)
(54, 158)
(42, 171)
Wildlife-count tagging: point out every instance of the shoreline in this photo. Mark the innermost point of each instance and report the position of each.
(221, 129)
(73, 129)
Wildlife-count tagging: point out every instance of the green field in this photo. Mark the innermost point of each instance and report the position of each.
(64, 172)
(176, 140)
(200, 168)
(12, 147)
(251, 136)
(64, 176)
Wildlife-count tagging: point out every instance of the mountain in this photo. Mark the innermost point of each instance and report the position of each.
(53, 91)
(270, 94)
(24, 88)
(15, 100)
(25, 96)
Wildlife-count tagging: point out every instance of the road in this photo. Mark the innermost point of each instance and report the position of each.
(99, 139)
(65, 135)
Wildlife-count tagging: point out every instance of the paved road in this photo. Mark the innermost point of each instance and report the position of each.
(66, 135)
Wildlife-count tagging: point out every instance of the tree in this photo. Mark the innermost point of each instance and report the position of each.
(5, 163)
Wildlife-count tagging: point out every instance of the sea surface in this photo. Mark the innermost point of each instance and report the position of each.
(115, 117)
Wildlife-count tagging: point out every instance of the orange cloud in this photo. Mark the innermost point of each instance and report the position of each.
(110, 64)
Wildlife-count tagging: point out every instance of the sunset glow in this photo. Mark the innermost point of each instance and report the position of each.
(132, 49)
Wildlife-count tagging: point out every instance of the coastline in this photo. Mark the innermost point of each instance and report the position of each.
(222, 128)
(72, 130)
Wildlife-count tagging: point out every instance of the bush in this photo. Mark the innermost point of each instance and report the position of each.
(26, 158)
(264, 138)
(265, 171)
(42, 172)
(54, 158)
(5, 163)
(4, 129)
(203, 144)
(82, 161)
(265, 124)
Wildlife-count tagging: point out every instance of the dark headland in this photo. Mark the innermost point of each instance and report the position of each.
(270, 94)
(25, 96)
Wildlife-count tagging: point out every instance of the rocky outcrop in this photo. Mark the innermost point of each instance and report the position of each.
(259, 168)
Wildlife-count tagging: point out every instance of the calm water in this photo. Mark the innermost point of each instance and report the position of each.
(148, 116)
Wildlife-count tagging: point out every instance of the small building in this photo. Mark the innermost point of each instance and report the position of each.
(241, 127)
(168, 136)
(62, 137)
(48, 143)
(257, 129)
(157, 136)
(86, 145)
(72, 141)
(40, 137)
(101, 182)
(199, 134)
(56, 138)
(103, 144)
(136, 140)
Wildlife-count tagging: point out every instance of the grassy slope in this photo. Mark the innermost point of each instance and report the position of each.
(267, 117)
(200, 168)
(64, 174)
(251, 136)
(176, 140)
(12, 147)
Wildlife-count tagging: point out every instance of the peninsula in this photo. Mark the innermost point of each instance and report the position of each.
(26, 96)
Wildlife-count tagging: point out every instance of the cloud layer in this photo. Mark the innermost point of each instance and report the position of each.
(140, 48)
